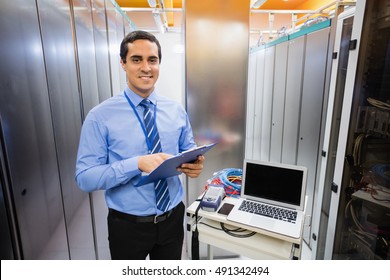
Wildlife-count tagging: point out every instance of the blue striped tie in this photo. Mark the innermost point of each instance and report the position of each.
(161, 187)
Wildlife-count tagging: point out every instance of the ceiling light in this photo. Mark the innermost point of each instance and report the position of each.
(257, 3)
(152, 3)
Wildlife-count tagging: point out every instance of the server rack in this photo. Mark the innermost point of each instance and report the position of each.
(359, 215)
(289, 97)
(50, 77)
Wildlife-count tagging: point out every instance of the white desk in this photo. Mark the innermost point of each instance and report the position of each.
(262, 245)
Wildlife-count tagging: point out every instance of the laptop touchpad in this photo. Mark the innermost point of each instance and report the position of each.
(263, 222)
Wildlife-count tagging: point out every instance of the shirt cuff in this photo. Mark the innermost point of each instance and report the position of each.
(129, 167)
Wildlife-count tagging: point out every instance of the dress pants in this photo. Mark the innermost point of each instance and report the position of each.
(130, 239)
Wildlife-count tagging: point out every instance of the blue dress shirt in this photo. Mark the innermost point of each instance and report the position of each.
(111, 141)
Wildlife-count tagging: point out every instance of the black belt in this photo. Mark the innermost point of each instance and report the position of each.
(142, 219)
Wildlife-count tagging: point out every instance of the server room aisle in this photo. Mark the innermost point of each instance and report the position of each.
(100, 219)
(100, 210)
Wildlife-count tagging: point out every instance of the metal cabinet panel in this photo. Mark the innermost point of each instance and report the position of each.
(278, 101)
(359, 219)
(86, 56)
(312, 105)
(48, 61)
(101, 49)
(258, 118)
(60, 60)
(115, 35)
(30, 151)
(267, 103)
(342, 37)
(250, 105)
(294, 79)
(292, 109)
(6, 244)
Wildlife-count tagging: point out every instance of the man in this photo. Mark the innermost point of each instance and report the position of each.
(119, 141)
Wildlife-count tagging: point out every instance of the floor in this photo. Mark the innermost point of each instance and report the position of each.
(100, 206)
(100, 220)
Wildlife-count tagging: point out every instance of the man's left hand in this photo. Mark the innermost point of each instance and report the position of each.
(194, 169)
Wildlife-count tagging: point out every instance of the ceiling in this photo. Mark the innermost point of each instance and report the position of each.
(269, 18)
(269, 4)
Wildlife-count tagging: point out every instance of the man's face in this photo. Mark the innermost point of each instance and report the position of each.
(142, 67)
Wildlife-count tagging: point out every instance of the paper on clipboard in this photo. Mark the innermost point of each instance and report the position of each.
(169, 166)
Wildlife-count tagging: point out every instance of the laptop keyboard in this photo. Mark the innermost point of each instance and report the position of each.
(269, 211)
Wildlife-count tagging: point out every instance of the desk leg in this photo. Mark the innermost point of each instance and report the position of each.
(210, 254)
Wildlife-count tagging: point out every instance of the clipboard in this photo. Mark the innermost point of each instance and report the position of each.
(169, 166)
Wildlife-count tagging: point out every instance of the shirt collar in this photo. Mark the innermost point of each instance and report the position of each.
(136, 99)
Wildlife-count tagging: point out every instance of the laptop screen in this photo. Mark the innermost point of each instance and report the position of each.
(274, 183)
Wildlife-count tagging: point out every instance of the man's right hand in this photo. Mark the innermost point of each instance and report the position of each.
(148, 163)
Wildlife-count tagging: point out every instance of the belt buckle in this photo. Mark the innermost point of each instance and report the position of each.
(163, 215)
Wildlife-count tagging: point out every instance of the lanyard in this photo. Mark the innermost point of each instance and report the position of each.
(141, 122)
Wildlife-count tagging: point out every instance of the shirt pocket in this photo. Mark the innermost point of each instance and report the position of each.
(170, 140)
(127, 145)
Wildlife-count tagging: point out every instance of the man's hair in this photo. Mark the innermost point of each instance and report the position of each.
(138, 35)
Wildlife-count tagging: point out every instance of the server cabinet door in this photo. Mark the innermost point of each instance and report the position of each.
(316, 55)
(292, 109)
(101, 49)
(258, 102)
(250, 105)
(333, 114)
(278, 101)
(115, 36)
(79, 79)
(266, 119)
(360, 224)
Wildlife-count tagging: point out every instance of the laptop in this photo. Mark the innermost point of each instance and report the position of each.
(278, 192)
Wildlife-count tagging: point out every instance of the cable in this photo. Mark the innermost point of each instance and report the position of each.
(312, 21)
(357, 148)
(375, 191)
(195, 236)
(378, 103)
(203, 223)
(231, 232)
(230, 179)
(359, 227)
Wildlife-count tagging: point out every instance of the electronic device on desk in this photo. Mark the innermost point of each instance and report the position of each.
(212, 198)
